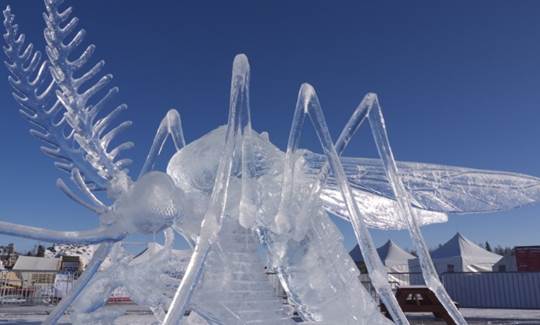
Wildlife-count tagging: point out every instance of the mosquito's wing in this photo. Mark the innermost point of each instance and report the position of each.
(433, 188)
(378, 211)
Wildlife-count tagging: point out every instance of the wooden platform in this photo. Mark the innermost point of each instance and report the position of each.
(419, 299)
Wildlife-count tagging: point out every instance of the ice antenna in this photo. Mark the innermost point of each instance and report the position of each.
(35, 91)
(92, 134)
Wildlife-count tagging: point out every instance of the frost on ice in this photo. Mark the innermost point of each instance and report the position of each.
(243, 205)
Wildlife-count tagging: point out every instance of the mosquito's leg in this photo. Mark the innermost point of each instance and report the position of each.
(171, 125)
(353, 124)
(238, 120)
(98, 258)
(159, 310)
(376, 121)
(94, 236)
(308, 104)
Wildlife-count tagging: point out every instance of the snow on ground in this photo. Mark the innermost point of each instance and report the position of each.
(34, 315)
(137, 316)
(479, 316)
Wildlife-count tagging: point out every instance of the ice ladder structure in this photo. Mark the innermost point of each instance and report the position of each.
(234, 284)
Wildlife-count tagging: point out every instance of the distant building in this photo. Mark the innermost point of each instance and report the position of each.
(36, 270)
(527, 258)
(8, 255)
(71, 264)
(506, 264)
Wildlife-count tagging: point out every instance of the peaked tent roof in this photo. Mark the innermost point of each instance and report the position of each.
(390, 253)
(32, 263)
(461, 246)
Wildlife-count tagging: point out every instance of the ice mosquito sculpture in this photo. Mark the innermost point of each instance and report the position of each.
(228, 193)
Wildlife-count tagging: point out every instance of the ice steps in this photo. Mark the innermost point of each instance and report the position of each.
(232, 288)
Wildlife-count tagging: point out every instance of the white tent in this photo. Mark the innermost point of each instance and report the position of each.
(395, 258)
(506, 264)
(399, 263)
(459, 254)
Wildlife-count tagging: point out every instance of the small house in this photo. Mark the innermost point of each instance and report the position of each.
(36, 270)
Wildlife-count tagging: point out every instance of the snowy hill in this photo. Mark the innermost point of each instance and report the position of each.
(85, 253)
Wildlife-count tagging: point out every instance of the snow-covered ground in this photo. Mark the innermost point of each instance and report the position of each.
(485, 316)
(34, 315)
(137, 316)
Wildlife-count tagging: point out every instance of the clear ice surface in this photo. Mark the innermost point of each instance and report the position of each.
(244, 206)
(315, 268)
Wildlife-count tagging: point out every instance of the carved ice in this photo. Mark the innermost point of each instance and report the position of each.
(239, 201)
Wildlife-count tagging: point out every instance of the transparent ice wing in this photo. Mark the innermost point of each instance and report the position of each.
(436, 187)
(378, 211)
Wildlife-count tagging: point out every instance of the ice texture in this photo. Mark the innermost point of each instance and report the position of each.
(316, 270)
(234, 287)
(242, 204)
(429, 272)
(148, 279)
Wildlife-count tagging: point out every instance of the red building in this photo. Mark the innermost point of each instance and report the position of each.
(527, 258)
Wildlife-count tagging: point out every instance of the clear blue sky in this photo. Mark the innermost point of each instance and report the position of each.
(458, 80)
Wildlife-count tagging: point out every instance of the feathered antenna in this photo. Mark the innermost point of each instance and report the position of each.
(89, 131)
(34, 90)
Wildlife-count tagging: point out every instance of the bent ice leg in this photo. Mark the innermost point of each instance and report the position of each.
(238, 115)
(308, 104)
(376, 121)
(171, 125)
(99, 256)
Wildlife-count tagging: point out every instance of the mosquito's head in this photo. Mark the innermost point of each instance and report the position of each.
(150, 204)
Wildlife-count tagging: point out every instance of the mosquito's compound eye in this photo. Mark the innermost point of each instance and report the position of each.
(150, 205)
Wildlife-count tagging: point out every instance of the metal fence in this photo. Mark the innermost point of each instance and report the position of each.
(32, 287)
(43, 288)
(469, 289)
(494, 289)
(409, 278)
(520, 290)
